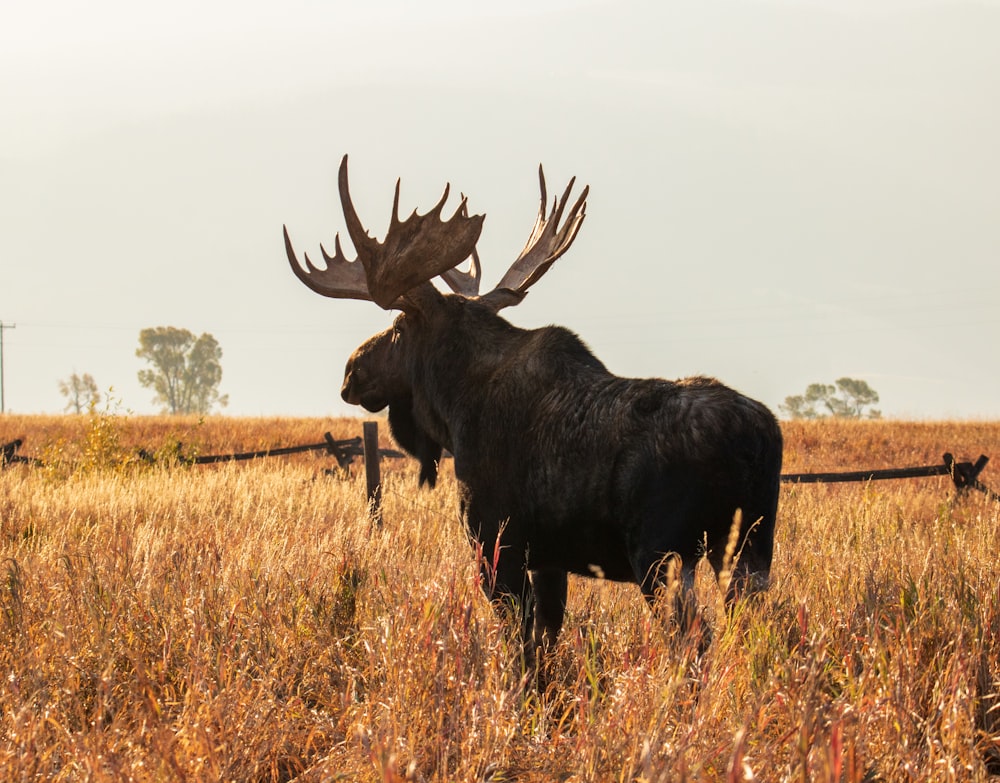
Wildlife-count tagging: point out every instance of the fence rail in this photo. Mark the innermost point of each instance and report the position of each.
(342, 450)
(964, 475)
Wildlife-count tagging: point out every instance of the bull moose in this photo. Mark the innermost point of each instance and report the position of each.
(563, 466)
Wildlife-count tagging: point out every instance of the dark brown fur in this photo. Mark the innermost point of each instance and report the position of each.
(583, 471)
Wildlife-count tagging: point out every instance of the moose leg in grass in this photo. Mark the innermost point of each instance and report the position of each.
(564, 467)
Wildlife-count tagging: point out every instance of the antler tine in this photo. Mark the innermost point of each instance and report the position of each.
(465, 283)
(548, 240)
(341, 279)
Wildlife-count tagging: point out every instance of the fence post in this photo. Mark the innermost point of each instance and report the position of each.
(370, 432)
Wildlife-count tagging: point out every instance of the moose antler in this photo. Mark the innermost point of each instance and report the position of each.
(465, 283)
(548, 240)
(413, 252)
(422, 247)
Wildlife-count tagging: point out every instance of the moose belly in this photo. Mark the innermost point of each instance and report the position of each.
(584, 549)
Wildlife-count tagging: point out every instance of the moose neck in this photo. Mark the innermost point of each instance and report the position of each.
(451, 380)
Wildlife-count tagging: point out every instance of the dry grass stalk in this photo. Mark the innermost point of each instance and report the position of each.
(246, 622)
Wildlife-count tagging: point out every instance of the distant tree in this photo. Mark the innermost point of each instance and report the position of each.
(186, 371)
(803, 406)
(80, 392)
(847, 398)
(857, 396)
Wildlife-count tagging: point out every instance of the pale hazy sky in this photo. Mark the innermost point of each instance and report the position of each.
(781, 192)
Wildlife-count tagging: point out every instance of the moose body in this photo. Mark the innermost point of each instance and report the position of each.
(569, 468)
(564, 467)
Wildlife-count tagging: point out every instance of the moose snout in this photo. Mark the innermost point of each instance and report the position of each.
(356, 391)
(347, 391)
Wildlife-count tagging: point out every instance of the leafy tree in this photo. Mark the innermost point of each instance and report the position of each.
(186, 371)
(80, 392)
(847, 398)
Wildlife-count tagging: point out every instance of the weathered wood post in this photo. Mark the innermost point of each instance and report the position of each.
(370, 435)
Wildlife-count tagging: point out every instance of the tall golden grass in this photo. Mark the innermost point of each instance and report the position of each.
(247, 622)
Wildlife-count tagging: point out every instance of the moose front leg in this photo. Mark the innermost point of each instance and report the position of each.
(671, 578)
(536, 607)
(505, 581)
(549, 587)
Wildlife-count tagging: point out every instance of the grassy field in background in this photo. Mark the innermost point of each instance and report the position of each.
(247, 622)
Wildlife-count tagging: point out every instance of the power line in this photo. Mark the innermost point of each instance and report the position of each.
(2, 327)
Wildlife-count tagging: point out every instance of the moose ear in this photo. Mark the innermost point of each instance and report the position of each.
(421, 300)
(499, 298)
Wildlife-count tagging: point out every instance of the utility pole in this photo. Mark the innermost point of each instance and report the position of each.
(2, 327)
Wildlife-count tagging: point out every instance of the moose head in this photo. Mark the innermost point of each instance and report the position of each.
(434, 331)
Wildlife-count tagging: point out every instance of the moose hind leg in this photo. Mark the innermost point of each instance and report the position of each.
(749, 567)
(674, 578)
(747, 580)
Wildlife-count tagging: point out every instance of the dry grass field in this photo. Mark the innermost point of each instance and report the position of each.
(247, 622)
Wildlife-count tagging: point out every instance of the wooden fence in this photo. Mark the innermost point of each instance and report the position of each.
(964, 475)
(343, 451)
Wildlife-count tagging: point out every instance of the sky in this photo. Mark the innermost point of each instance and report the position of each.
(782, 192)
